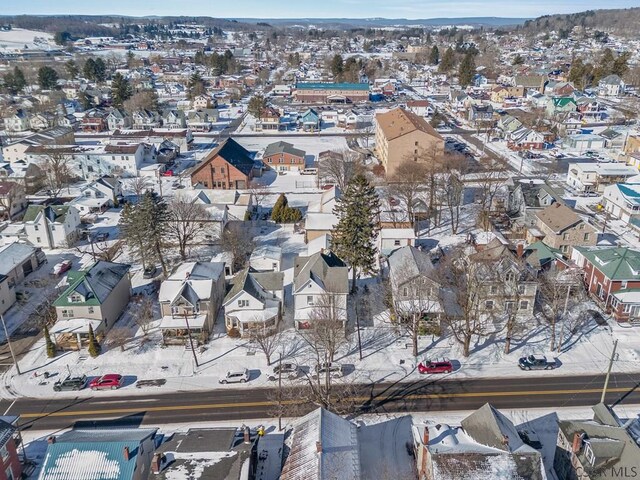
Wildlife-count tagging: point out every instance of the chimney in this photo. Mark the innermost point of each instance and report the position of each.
(51, 439)
(125, 453)
(156, 463)
(505, 441)
(577, 443)
(520, 250)
(247, 435)
(319, 447)
(425, 436)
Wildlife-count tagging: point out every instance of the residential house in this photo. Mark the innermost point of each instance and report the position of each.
(525, 139)
(254, 302)
(190, 299)
(320, 289)
(612, 278)
(564, 229)
(145, 119)
(526, 197)
(266, 258)
(229, 167)
(222, 206)
(310, 120)
(480, 114)
(282, 90)
(269, 120)
(15, 151)
(174, 119)
(611, 86)
(17, 121)
(118, 119)
(595, 177)
(51, 226)
(422, 108)
(18, 260)
(320, 219)
(391, 239)
(7, 300)
(414, 286)
(622, 201)
(10, 464)
(13, 199)
(604, 448)
(403, 136)
(96, 296)
(561, 105)
(508, 285)
(583, 142)
(284, 157)
(531, 82)
(94, 121)
(541, 257)
(613, 139)
(485, 445)
(87, 454)
(201, 102)
(98, 196)
(501, 93)
(202, 120)
(42, 121)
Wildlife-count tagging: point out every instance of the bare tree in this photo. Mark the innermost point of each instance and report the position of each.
(462, 296)
(188, 220)
(140, 185)
(14, 192)
(267, 339)
(407, 184)
(118, 337)
(452, 189)
(259, 192)
(339, 167)
(237, 240)
(145, 315)
(57, 170)
(490, 180)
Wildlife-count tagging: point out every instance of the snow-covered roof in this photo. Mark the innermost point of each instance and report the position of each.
(192, 280)
(75, 325)
(169, 322)
(321, 221)
(397, 233)
(324, 446)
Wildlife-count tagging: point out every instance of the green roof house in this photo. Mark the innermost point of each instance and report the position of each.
(96, 296)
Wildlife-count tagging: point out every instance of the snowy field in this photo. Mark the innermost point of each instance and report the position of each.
(19, 39)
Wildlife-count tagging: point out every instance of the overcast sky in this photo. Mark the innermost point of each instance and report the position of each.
(307, 8)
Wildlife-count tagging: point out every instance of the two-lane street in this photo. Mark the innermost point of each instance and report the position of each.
(429, 394)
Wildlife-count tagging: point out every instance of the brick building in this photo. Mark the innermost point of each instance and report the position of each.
(331, 92)
(283, 156)
(228, 167)
(10, 466)
(612, 278)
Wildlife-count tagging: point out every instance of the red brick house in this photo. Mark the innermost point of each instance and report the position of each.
(283, 157)
(612, 278)
(95, 121)
(228, 167)
(10, 466)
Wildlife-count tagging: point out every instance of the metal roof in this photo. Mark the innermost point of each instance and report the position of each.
(332, 86)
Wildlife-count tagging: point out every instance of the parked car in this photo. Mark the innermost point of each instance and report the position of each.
(334, 369)
(168, 173)
(235, 376)
(70, 383)
(150, 272)
(435, 366)
(111, 381)
(60, 268)
(102, 236)
(288, 370)
(536, 362)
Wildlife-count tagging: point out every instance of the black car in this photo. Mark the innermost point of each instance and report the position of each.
(149, 272)
(70, 383)
(536, 362)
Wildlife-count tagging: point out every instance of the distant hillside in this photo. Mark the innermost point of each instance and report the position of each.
(621, 21)
(388, 22)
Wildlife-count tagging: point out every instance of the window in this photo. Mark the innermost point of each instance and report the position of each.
(623, 284)
(510, 277)
(405, 292)
(9, 474)
(76, 298)
(4, 453)
(67, 313)
(524, 304)
(310, 300)
(396, 243)
(488, 305)
(521, 289)
(586, 237)
(509, 307)
(36, 228)
(243, 303)
(213, 169)
(38, 240)
(565, 236)
(493, 289)
(416, 144)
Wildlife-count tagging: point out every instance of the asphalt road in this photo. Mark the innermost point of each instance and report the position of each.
(428, 394)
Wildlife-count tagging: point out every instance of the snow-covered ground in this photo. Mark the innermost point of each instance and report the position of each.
(20, 39)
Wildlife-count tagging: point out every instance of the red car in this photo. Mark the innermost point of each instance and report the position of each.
(111, 381)
(168, 173)
(435, 366)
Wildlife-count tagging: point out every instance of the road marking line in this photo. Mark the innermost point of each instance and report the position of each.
(115, 411)
(12, 403)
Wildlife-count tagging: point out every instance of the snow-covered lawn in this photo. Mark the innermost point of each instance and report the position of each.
(19, 39)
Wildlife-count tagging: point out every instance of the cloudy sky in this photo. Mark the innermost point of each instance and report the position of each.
(307, 8)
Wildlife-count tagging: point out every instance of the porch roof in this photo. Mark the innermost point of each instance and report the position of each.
(75, 325)
(168, 322)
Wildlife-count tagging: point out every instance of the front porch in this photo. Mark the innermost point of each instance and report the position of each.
(73, 334)
(175, 329)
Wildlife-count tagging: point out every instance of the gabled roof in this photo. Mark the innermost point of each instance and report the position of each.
(233, 153)
(283, 147)
(54, 213)
(326, 269)
(14, 254)
(324, 446)
(488, 426)
(617, 263)
(539, 254)
(407, 263)
(398, 122)
(192, 281)
(558, 217)
(95, 284)
(255, 284)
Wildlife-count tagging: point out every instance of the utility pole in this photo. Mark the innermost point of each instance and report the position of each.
(6, 334)
(606, 380)
(280, 394)
(193, 350)
(358, 329)
(564, 314)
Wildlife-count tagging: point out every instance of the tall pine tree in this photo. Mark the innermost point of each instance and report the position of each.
(467, 70)
(448, 61)
(120, 90)
(353, 238)
(434, 56)
(94, 346)
(154, 219)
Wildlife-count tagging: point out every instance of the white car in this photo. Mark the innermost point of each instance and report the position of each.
(236, 376)
(335, 370)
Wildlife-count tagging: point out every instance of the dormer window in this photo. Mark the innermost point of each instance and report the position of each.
(75, 298)
(510, 277)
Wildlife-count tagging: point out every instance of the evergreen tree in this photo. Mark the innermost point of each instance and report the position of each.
(72, 69)
(621, 64)
(89, 69)
(434, 56)
(154, 217)
(279, 205)
(518, 60)
(257, 106)
(47, 78)
(353, 238)
(133, 233)
(100, 70)
(94, 346)
(467, 70)
(195, 86)
(51, 347)
(120, 90)
(14, 81)
(448, 61)
(337, 66)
